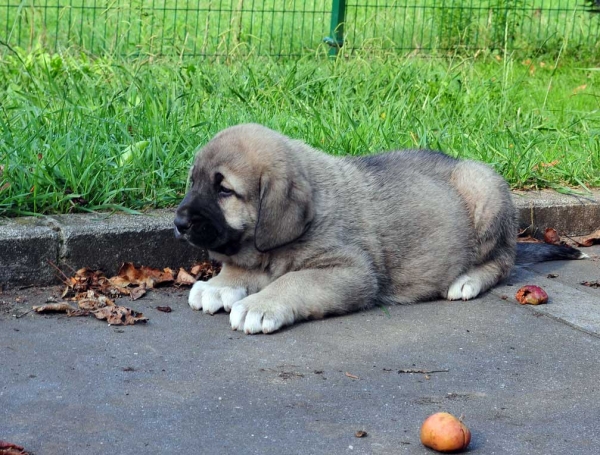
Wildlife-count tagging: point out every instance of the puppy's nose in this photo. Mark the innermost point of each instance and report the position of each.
(182, 224)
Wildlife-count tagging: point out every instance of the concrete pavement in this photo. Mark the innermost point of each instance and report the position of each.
(524, 378)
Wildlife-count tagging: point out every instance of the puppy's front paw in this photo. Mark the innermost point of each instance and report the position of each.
(209, 298)
(255, 315)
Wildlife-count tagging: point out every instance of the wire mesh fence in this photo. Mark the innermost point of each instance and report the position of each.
(471, 25)
(295, 27)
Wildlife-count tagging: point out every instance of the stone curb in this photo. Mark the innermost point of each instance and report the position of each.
(28, 246)
(577, 214)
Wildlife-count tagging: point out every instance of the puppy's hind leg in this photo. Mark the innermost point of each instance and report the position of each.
(493, 217)
(477, 280)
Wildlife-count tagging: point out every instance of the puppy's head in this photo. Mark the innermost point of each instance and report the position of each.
(247, 189)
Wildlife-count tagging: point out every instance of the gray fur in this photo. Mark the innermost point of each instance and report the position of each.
(529, 253)
(322, 235)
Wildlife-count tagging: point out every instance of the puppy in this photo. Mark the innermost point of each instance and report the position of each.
(302, 234)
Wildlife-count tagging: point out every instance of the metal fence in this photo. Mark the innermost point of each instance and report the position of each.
(296, 27)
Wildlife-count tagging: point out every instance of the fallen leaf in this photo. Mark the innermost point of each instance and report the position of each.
(528, 239)
(588, 240)
(8, 448)
(137, 293)
(86, 279)
(130, 275)
(61, 307)
(591, 284)
(119, 315)
(91, 300)
(551, 236)
(361, 434)
(205, 270)
(184, 278)
(576, 90)
(164, 309)
(552, 163)
(351, 376)
(532, 295)
(77, 313)
(158, 276)
(552, 275)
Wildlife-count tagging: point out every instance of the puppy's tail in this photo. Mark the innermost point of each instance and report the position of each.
(528, 253)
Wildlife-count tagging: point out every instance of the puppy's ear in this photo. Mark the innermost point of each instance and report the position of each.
(285, 210)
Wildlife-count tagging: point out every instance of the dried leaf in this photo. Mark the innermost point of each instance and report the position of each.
(158, 276)
(112, 290)
(546, 165)
(205, 270)
(137, 293)
(61, 307)
(591, 284)
(76, 313)
(91, 300)
(130, 275)
(8, 448)
(588, 240)
(119, 315)
(551, 236)
(164, 309)
(528, 239)
(361, 434)
(86, 279)
(184, 278)
(351, 376)
(119, 281)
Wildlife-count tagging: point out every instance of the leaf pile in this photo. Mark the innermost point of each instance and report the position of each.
(102, 307)
(552, 237)
(93, 292)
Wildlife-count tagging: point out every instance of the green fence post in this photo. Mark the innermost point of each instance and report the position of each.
(336, 34)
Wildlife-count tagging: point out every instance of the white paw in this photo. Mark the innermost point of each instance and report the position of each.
(253, 315)
(209, 298)
(464, 288)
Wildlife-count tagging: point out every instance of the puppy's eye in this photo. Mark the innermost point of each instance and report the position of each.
(225, 192)
(222, 190)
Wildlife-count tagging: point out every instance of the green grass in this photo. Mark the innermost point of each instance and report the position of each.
(78, 134)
